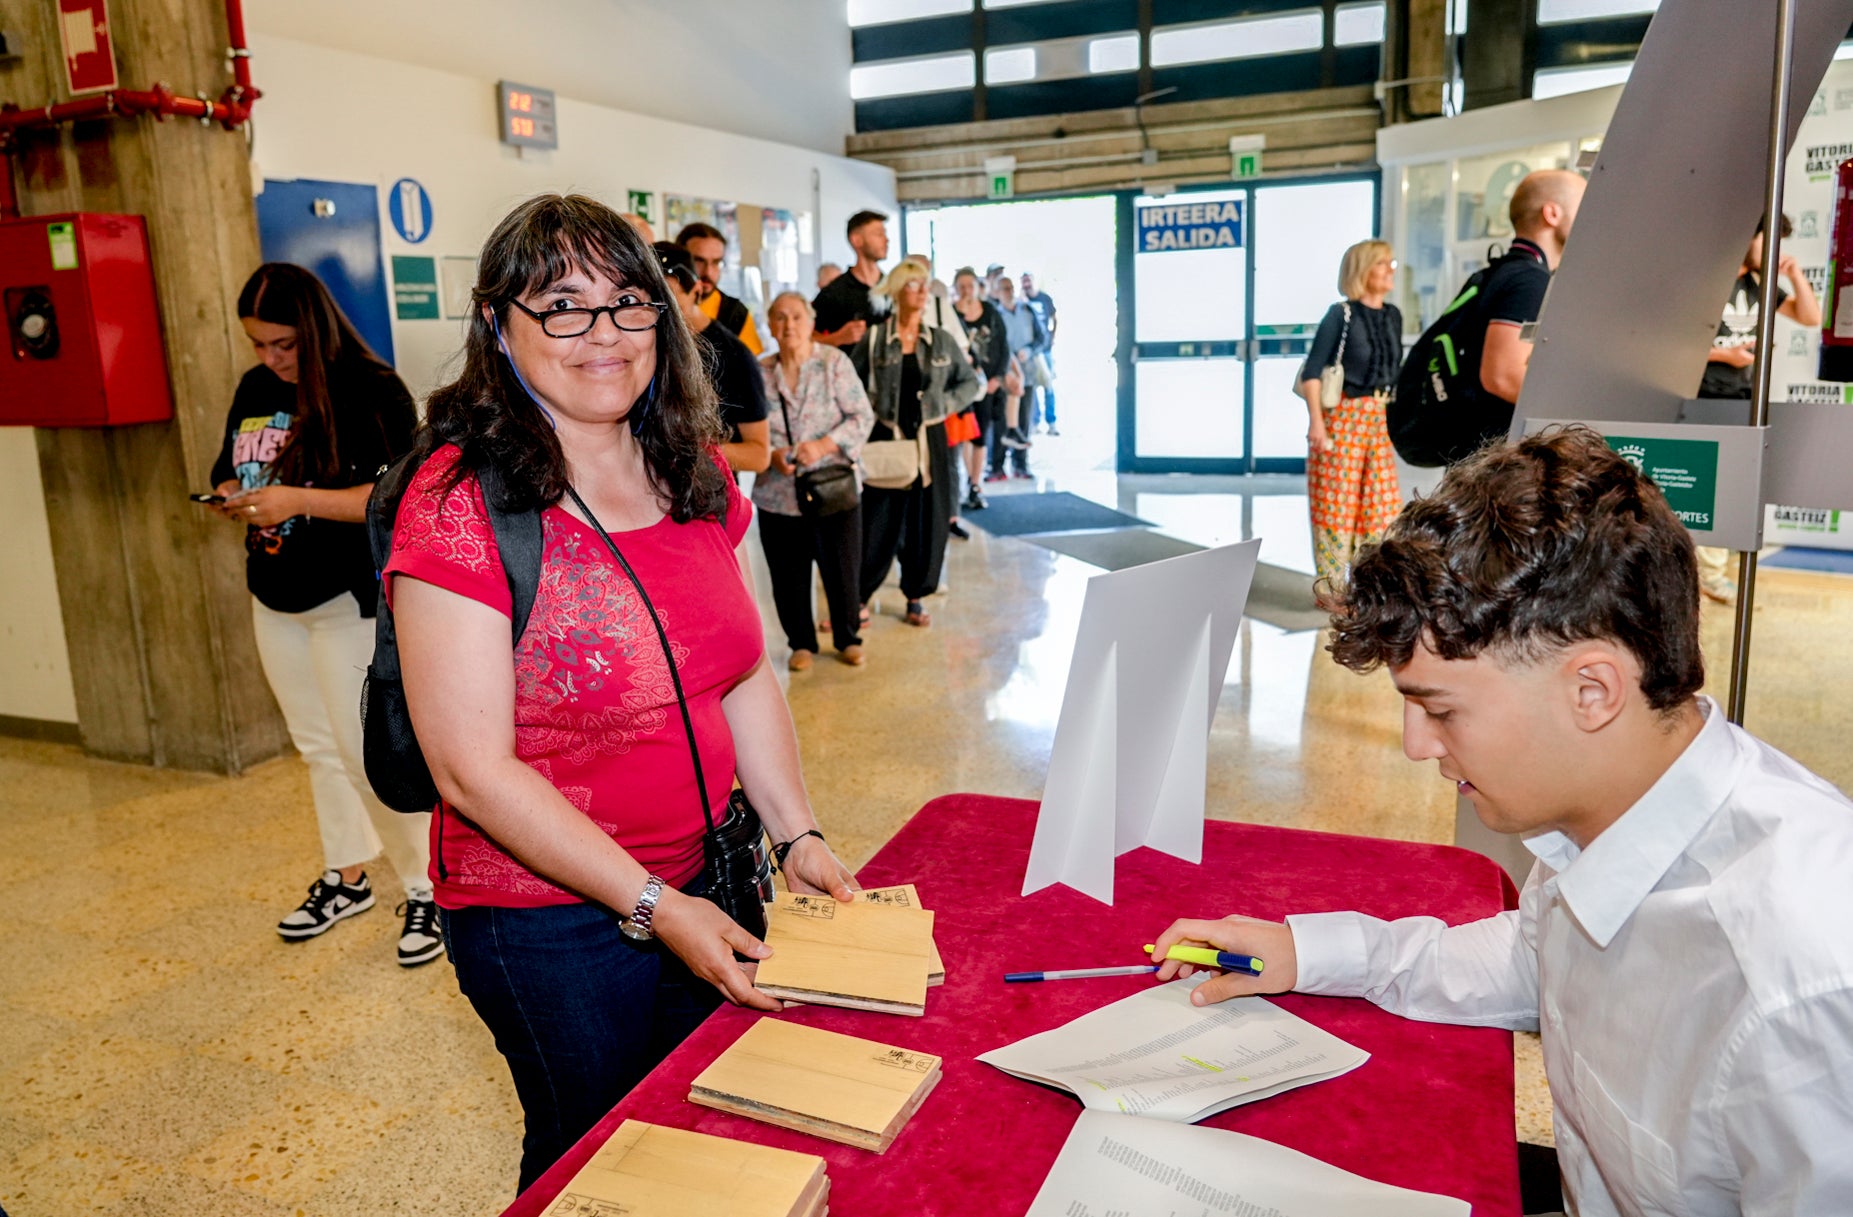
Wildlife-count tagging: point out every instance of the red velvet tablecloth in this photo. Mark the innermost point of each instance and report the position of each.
(1432, 1109)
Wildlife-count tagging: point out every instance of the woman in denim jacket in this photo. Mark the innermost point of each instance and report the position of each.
(916, 377)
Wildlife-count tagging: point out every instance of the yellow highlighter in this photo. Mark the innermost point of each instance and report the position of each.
(1208, 957)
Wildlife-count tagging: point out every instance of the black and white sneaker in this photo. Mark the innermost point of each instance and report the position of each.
(421, 942)
(329, 901)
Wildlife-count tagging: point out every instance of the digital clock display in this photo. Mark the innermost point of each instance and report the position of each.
(527, 115)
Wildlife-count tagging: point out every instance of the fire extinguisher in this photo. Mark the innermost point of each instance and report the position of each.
(1837, 311)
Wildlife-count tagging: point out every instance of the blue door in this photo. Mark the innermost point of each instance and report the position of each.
(333, 228)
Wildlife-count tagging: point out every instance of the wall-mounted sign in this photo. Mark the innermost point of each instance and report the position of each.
(457, 280)
(1245, 155)
(415, 288)
(527, 115)
(89, 56)
(641, 203)
(1172, 226)
(410, 209)
(1000, 174)
(1685, 470)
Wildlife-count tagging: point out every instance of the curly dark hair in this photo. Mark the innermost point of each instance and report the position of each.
(1523, 548)
(488, 414)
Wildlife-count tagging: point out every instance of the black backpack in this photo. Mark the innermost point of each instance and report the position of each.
(1440, 414)
(395, 764)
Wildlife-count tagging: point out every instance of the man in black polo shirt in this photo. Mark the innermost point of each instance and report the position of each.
(738, 385)
(844, 309)
(1543, 210)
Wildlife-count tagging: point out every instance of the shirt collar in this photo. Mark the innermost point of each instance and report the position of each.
(1527, 246)
(1606, 882)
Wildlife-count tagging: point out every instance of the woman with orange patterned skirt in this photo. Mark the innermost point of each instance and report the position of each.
(1350, 465)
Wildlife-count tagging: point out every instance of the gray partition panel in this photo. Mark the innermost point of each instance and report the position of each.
(1673, 200)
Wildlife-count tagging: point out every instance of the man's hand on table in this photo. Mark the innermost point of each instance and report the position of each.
(1269, 941)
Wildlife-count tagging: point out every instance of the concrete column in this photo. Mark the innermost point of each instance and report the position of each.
(151, 586)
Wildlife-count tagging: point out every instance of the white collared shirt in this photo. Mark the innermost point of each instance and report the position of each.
(1691, 973)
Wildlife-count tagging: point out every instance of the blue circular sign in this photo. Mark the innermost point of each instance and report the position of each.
(410, 208)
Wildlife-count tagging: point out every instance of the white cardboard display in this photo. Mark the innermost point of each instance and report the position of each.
(1128, 767)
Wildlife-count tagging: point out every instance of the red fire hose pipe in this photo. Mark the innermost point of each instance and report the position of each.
(231, 110)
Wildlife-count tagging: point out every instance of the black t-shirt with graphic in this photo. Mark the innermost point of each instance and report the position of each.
(305, 561)
(737, 380)
(1736, 329)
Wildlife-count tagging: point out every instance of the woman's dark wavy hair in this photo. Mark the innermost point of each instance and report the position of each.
(491, 418)
(1525, 548)
(328, 347)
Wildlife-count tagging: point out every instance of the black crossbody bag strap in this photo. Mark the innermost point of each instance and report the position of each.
(669, 656)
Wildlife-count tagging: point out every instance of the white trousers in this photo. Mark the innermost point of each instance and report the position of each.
(316, 663)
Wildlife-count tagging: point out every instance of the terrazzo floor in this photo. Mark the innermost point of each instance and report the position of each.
(164, 1053)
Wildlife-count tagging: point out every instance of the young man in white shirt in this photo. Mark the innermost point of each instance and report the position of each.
(1685, 940)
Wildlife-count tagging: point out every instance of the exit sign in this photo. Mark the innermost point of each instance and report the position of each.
(527, 115)
(1000, 174)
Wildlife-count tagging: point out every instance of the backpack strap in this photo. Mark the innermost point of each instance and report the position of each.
(518, 539)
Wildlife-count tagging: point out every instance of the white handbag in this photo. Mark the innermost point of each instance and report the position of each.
(893, 464)
(1332, 378)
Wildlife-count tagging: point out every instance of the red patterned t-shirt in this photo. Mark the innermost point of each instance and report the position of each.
(595, 710)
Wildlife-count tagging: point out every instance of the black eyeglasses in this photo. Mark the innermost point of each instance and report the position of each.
(572, 322)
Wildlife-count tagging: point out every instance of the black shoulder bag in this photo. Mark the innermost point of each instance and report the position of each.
(738, 872)
(827, 490)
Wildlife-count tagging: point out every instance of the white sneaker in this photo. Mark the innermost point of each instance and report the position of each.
(420, 942)
(330, 900)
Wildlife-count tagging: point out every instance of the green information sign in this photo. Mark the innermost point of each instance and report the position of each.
(1248, 164)
(1685, 470)
(1003, 185)
(642, 203)
(415, 289)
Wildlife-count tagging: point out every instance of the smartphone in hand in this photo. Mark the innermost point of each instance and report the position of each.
(212, 499)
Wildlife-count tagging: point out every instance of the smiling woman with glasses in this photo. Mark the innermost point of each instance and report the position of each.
(578, 773)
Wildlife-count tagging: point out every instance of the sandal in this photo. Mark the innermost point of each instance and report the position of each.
(917, 614)
(862, 621)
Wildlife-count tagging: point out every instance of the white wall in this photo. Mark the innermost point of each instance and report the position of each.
(778, 70)
(342, 115)
(35, 664)
(394, 120)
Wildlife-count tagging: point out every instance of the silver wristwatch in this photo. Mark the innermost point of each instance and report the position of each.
(638, 924)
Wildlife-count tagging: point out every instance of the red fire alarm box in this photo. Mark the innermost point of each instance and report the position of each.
(83, 334)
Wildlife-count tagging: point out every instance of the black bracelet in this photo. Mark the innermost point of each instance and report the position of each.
(779, 851)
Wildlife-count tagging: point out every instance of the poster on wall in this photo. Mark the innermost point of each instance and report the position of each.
(778, 250)
(1823, 141)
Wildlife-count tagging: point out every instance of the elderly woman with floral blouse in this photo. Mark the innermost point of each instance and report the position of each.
(820, 416)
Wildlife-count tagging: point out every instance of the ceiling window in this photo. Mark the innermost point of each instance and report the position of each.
(1012, 3)
(1551, 11)
(928, 74)
(1358, 24)
(880, 12)
(1009, 65)
(1119, 53)
(1555, 82)
(1274, 35)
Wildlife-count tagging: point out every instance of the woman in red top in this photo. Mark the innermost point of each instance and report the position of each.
(568, 844)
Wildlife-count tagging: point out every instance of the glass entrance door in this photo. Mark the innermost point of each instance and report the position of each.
(1217, 331)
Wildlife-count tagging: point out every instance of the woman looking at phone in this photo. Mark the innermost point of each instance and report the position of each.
(308, 431)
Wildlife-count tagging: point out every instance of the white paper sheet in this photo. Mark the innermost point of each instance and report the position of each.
(1113, 1165)
(1156, 1055)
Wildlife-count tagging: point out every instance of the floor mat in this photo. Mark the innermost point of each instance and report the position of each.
(1017, 515)
(1801, 557)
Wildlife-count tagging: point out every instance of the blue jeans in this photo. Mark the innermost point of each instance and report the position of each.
(580, 1012)
(1044, 412)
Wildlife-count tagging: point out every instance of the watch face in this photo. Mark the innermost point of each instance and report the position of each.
(633, 931)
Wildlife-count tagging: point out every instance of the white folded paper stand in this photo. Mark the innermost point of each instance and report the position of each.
(1128, 767)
